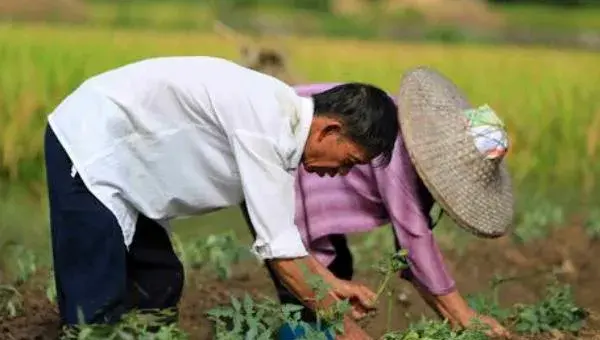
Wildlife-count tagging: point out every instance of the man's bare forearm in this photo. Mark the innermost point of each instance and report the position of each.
(293, 274)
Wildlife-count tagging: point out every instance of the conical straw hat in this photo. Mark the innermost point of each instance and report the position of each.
(457, 151)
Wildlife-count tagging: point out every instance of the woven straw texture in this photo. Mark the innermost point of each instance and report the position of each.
(474, 191)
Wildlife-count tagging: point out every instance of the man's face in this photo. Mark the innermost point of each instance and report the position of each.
(328, 151)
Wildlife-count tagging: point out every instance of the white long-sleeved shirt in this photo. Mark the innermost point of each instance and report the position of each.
(179, 136)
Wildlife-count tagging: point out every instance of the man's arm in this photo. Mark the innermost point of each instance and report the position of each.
(269, 198)
(293, 273)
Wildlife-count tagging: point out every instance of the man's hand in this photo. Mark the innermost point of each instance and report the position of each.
(361, 298)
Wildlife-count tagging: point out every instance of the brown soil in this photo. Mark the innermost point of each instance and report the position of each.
(568, 251)
(39, 321)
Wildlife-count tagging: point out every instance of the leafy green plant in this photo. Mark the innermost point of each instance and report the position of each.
(363, 251)
(250, 319)
(11, 302)
(537, 221)
(557, 311)
(21, 261)
(489, 303)
(333, 315)
(217, 252)
(134, 325)
(51, 288)
(593, 224)
(390, 265)
(434, 330)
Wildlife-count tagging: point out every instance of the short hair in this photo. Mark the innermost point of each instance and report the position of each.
(368, 115)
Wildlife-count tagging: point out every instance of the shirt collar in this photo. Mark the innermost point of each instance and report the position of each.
(305, 112)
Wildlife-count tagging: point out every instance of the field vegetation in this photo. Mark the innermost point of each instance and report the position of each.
(539, 280)
(570, 22)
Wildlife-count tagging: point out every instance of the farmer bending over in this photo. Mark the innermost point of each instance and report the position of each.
(137, 146)
(446, 152)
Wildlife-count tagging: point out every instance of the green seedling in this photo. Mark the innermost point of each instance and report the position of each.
(557, 311)
(51, 288)
(249, 319)
(388, 266)
(215, 252)
(435, 330)
(538, 221)
(22, 262)
(489, 304)
(133, 326)
(593, 224)
(11, 302)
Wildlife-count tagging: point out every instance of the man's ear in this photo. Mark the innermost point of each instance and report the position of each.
(332, 127)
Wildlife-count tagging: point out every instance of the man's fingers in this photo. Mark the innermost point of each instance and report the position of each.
(358, 313)
(365, 296)
(359, 296)
(369, 293)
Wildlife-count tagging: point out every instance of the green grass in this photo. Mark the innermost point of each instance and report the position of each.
(370, 23)
(187, 15)
(547, 98)
(157, 15)
(551, 18)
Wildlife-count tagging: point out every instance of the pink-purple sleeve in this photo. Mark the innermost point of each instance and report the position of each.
(398, 185)
(306, 90)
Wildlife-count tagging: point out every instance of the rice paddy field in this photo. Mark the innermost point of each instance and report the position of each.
(548, 99)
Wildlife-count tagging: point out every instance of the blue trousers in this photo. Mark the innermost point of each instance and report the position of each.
(97, 278)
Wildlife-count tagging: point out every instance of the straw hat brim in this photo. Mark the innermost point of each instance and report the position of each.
(474, 191)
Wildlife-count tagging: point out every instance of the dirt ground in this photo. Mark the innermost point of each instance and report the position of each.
(567, 250)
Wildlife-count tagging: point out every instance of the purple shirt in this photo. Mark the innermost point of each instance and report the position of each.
(365, 199)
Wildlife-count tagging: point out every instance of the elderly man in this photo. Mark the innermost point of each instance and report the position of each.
(162, 138)
(448, 152)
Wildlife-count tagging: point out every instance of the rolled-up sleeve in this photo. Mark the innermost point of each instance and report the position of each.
(269, 194)
(398, 185)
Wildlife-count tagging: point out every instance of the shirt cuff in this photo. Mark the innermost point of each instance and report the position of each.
(285, 246)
